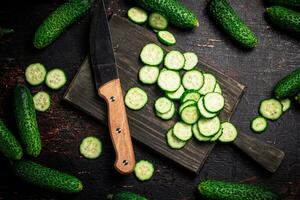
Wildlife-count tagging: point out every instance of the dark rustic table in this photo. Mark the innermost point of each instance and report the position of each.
(63, 126)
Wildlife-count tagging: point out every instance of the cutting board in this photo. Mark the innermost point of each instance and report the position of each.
(128, 40)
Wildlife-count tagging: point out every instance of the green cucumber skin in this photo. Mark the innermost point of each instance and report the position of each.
(221, 190)
(9, 145)
(126, 196)
(288, 86)
(284, 18)
(231, 23)
(26, 121)
(288, 3)
(53, 26)
(46, 178)
(176, 12)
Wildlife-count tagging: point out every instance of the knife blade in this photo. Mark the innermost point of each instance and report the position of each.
(108, 86)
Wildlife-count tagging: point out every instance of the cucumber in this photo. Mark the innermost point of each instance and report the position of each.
(213, 102)
(174, 60)
(169, 114)
(90, 147)
(35, 74)
(214, 189)
(229, 132)
(270, 109)
(193, 80)
(284, 18)
(46, 178)
(203, 110)
(231, 23)
(218, 89)
(288, 86)
(259, 124)
(166, 38)
(158, 21)
(42, 101)
(190, 114)
(136, 98)
(182, 131)
(216, 136)
(285, 3)
(198, 135)
(176, 12)
(137, 15)
(9, 145)
(152, 54)
(125, 196)
(209, 127)
(56, 79)
(190, 95)
(173, 141)
(286, 104)
(162, 105)
(148, 74)
(59, 20)
(209, 84)
(26, 121)
(144, 170)
(169, 80)
(185, 104)
(191, 60)
(177, 94)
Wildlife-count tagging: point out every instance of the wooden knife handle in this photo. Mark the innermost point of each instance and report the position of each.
(118, 126)
(265, 154)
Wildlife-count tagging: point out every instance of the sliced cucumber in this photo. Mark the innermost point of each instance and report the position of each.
(203, 110)
(158, 21)
(163, 105)
(286, 104)
(192, 80)
(213, 102)
(185, 104)
(91, 147)
(216, 137)
(144, 170)
(137, 15)
(148, 74)
(168, 115)
(270, 109)
(173, 141)
(229, 132)
(166, 38)
(191, 60)
(182, 131)
(35, 74)
(209, 84)
(56, 79)
(152, 54)
(218, 89)
(198, 135)
(42, 101)
(136, 98)
(169, 80)
(177, 94)
(259, 124)
(190, 95)
(174, 60)
(209, 127)
(190, 114)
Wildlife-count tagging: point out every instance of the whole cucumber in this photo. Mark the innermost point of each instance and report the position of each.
(59, 20)
(9, 145)
(45, 177)
(288, 86)
(286, 3)
(231, 23)
(26, 121)
(126, 196)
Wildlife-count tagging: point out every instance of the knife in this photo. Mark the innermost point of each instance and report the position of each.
(108, 86)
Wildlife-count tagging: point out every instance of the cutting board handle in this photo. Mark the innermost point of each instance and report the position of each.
(265, 154)
(118, 126)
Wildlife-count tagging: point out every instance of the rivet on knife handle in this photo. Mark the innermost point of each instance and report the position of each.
(118, 126)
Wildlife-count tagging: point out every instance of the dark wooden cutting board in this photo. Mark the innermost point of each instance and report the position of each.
(128, 40)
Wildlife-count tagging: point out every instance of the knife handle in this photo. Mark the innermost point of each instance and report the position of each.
(118, 126)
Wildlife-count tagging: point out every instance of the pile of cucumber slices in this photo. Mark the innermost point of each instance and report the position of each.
(197, 93)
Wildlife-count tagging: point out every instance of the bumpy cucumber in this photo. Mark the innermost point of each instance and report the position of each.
(46, 178)
(285, 3)
(288, 86)
(231, 23)
(125, 196)
(26, 121)
(59, 20)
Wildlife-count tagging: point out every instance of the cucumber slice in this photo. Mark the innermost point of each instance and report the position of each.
(259, 124)
(173, 142)
(229, 132)
(177, 94)
(213, 102)
(286, 104)
(216, 137)
(168, 115)
(136, 98)
(185, 104)
(209, 84)
(91, 147)
(182, 131)
(190, 95)
(163, 105)
(270, 109)
(218, 89)
(148, 74)
(190, 114)
(192, 80)
(191, 60)
(42, 101)
(56, 79)
(166, 38)
(198, 135)
(169, 80)
(174, 60)
(209, 127)
(144, 170)
(152, 54)
(158, 21)
(137, 15)
(35, 74)
(203, 110)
